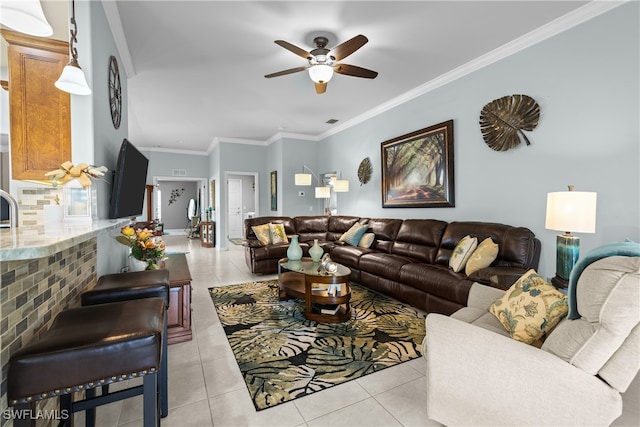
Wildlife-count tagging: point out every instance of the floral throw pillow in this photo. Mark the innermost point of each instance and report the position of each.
(263, 233)
(462, 252)
(278, 235)
(530, 308)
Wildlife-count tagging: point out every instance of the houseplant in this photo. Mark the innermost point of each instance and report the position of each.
(144, 245)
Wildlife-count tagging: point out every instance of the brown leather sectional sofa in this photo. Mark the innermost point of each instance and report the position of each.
(408, 260)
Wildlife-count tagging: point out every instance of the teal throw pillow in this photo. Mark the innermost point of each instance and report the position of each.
(353, 235)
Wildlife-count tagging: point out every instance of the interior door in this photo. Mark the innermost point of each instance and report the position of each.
(234, 188)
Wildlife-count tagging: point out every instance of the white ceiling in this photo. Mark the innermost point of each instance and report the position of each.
(196, 68)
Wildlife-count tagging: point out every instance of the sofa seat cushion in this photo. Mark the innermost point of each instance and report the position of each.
(274, 251)
(437, 280)
(482, 318)
(348, 255)
(384, 265)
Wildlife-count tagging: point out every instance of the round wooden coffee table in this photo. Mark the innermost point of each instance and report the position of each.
(326, 295)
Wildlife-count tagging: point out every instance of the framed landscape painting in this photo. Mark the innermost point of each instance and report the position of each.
(417, 169)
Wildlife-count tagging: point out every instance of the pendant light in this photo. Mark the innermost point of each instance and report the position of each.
(25, 16)
(72, 79)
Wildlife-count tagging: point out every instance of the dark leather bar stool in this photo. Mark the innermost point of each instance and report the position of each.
(132, 286)
(87, 347)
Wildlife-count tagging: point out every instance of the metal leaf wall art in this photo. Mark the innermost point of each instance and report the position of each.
(364, 171)
(502, 121)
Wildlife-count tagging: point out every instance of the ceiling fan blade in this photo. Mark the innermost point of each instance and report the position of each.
(347, 48)
(352, 70)
(295, 49)
(321, 88)
(285, 72)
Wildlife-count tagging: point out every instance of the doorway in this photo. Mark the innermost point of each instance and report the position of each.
(234, 187)
(242, 201)
(170, 201)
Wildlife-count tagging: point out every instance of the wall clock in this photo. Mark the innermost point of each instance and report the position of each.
(115, 92)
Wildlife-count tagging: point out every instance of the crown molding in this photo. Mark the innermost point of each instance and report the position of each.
(173, 151)
(115, 24)
(555, 27)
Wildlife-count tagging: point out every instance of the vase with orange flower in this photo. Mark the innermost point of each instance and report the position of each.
(144, 245)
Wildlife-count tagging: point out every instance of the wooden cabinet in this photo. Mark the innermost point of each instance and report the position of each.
(179, 312)
(39, 113)
(208, 234)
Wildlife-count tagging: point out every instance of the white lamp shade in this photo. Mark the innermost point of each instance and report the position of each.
(25, 16)
(72, 80)
(341, 186)
(320, 73)
(303, 179)
(571, 211)
(323, 192)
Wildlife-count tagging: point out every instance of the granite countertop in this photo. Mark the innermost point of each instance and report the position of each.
(31, 242)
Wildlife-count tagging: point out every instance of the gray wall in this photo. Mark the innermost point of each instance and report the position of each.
(162, 163)
(174, 215)
(586, 82)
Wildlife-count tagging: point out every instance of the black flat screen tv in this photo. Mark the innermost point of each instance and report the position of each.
(129, 182)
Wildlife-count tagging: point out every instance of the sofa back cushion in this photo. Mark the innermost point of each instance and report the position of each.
(284, 220)
(385, 230)
(309, 228)
(606, 334)
(518, 246)
(419, 239)
(338, 225)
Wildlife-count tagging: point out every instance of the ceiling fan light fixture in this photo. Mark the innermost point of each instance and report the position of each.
(321, 73)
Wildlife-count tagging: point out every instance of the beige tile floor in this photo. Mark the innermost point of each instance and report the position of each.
(206, 388)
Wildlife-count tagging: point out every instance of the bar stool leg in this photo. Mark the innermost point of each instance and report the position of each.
(90, 414)
(21, 416)
(66, 402)
(150, 401)
(164, 369)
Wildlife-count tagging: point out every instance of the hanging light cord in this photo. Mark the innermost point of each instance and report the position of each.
(74, 32)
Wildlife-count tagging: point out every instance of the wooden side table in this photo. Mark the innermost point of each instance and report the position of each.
(208, 234)
(179, 312)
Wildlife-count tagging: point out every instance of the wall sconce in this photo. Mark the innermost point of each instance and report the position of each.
(25, 16)
(72, 79)
(574, 211)
(305, 179)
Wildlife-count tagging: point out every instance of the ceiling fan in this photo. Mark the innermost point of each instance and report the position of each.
(323, 62)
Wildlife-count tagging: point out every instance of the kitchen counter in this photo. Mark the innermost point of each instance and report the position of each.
(30, 242)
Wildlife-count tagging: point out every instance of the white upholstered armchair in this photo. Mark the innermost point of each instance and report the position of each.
(478, 375)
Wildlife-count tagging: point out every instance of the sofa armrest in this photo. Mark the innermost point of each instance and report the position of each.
(477, 377)
(498, 277)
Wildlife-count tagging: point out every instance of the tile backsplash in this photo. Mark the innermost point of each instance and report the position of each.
(32, 202)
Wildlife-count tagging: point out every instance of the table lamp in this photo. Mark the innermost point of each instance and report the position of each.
(569, 211)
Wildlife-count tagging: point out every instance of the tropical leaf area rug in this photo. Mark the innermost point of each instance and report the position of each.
(284, 356)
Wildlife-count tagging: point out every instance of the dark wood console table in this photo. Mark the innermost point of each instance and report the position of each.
(179, 313)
